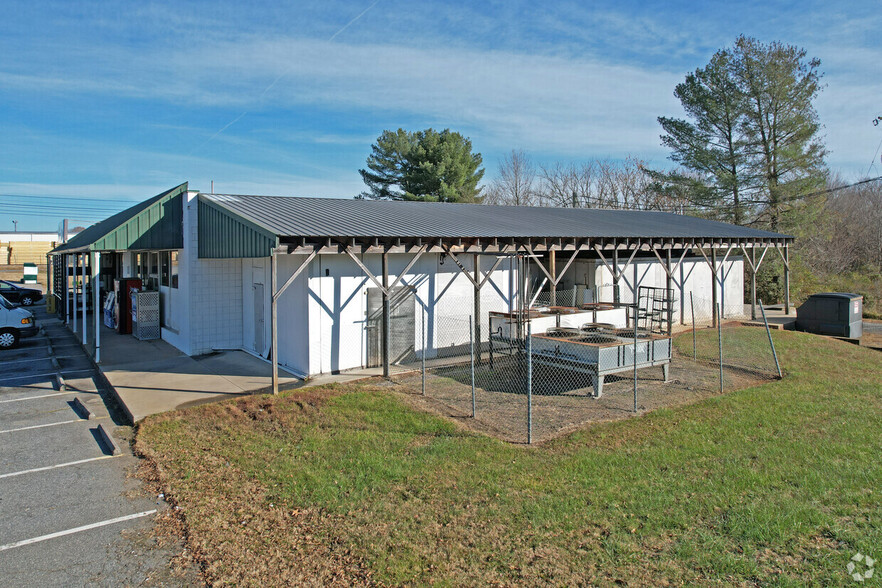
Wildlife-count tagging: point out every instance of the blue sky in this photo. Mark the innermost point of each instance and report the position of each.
(103, 104)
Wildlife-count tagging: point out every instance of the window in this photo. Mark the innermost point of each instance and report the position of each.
(149, 264)
(174, 269)
(164, 261)
(142, 268)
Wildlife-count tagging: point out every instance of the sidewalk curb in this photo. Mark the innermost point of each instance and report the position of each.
(108, 440)
(99, 375)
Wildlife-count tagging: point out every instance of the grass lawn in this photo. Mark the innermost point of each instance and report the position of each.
(777, 484)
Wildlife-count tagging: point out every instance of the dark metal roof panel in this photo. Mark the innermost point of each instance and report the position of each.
(156, 223)
(331, 217)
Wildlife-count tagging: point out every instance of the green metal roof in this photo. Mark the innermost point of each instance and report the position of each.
(225, 234)
(156, 223)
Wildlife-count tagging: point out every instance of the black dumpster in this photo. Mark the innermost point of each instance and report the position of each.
(832, 313)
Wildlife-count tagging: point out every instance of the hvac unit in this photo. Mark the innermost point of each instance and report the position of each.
(832, 313)
(145, 315)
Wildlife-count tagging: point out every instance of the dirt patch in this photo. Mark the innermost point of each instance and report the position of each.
(563, 399)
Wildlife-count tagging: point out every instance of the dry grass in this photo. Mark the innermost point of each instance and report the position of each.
(776, 484)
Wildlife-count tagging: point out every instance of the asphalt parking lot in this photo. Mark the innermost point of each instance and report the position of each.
(71, 512)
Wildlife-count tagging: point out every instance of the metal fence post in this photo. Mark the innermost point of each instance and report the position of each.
(472, 353)
(771, 343)
(718, 318)
(529, 384)
(692, 304)
(423, 360)
(635, 363)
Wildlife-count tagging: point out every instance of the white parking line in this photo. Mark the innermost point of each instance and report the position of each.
(47, 358)
(77, 530)
(51, 375)
(40, 396)
(51, 425)
(55, 467)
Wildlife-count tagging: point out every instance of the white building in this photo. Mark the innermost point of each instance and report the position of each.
(211, 258)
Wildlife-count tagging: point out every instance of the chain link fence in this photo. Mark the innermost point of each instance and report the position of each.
(530, 376)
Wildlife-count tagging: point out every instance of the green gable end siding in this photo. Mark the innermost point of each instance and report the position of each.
(159, 226)
(156, 223)
(225, 235)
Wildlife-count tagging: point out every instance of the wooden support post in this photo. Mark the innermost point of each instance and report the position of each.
(96, 302)
(786, 280)
(669, 293)
(276, 293)
(552, 269)
(274, 319)
(634, 284)
(387, 319)
(616, 298)
(477, 323)
(753, 283)
(714, 285)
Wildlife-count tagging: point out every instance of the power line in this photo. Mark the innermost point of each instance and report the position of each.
(873, 161)
(66, 197)
(62, 205)
(59, 210)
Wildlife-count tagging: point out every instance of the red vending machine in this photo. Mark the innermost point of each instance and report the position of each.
(123, 311)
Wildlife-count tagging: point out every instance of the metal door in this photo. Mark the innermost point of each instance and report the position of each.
(402, 321)
(259, 320)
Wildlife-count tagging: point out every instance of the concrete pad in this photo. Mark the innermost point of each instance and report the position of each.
(117, 349)
(245, 371)
(151, 387)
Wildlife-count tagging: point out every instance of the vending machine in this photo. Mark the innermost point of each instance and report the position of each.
(123, 311)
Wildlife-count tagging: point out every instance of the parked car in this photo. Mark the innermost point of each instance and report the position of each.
(19, 294)
(15, 323)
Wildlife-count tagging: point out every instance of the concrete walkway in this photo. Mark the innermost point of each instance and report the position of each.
(151, 377)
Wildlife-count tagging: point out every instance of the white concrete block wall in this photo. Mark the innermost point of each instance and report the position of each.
(215, 305)
(213, 289)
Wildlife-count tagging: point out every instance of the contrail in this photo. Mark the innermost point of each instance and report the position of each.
(276, 81)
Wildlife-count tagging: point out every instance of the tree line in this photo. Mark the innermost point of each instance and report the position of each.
(749, 151)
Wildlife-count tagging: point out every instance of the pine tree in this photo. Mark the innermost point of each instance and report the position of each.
(781, 123)
(752, 135)
(424, 165)
(713, 145)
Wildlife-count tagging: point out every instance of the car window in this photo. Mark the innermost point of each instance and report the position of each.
(5, 304)
(5, 286)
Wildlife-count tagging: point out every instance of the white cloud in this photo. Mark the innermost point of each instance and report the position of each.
(542, 97)
(544, 103)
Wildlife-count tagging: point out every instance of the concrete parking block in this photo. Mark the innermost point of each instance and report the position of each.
(108, 440)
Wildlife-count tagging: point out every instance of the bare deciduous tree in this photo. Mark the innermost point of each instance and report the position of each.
(515, 184)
